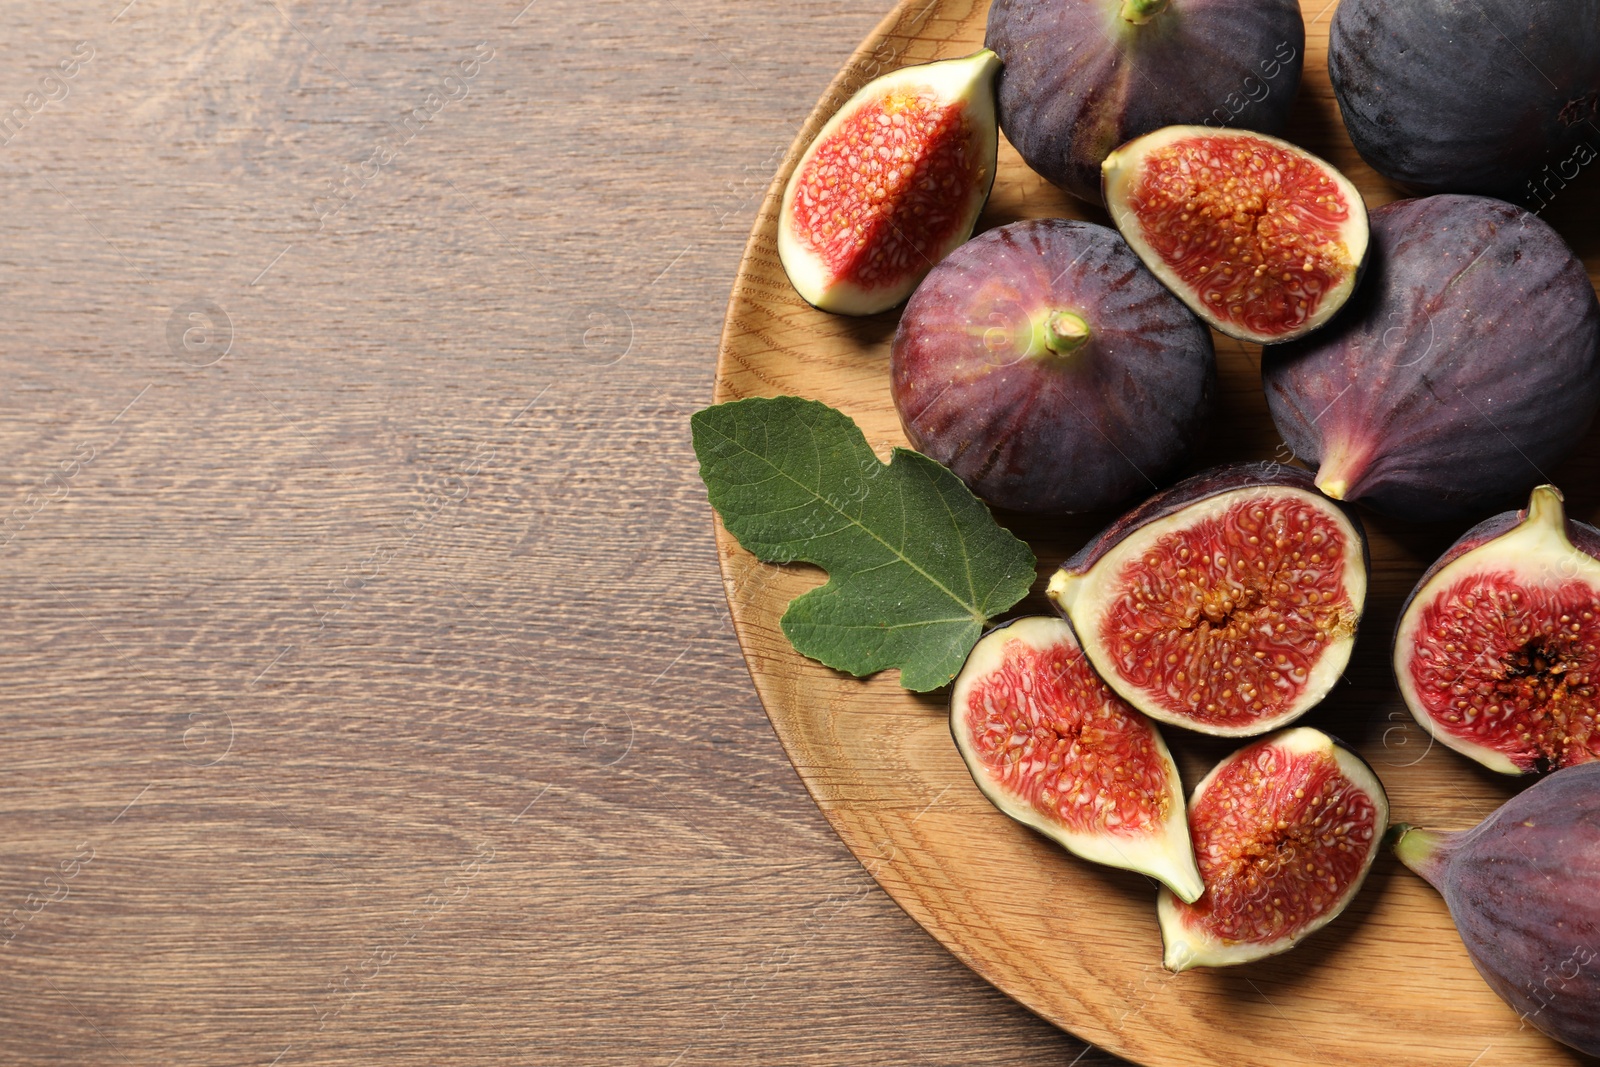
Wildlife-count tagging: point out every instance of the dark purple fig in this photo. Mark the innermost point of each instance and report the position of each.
(1465, 364)
(1285, 831)
(1261, 239)
(1083, 76)
(1494, 96)
(1521, 887)
(890, 185)
(1498, 648)
(1227, 604)
(1051, 746)
(1049, 370)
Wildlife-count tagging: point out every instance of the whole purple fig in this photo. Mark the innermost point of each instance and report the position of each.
(1049, 370)
(1080, 77)
(1466, 365)
(1521, 887)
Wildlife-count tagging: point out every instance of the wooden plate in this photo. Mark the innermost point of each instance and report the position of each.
(1389, 982)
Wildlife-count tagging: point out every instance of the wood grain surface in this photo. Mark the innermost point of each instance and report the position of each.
(1389, 982)
(369, 689)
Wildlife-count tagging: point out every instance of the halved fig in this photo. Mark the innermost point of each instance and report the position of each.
(891, 185)
(1262, 239)
(1498, 648)
(1051, 746)
(1227, 604)
(1285, 831)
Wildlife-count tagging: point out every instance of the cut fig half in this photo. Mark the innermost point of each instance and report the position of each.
(892, 184)
(1285, 831)
(1052, 747)
(1260, 238)
(1226, 604)
(1498, 648)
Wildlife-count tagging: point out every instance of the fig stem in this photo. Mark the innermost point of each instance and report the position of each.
(1065, 332)
(1341, 469)
(1544, 508)
(1140, 12)
(1426, 852)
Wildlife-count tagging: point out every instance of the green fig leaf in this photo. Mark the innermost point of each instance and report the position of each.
(916, 564)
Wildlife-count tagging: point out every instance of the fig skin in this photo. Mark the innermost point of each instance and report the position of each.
(1468, 361)
(1080, 78)
(1089, 585)
(1536, 548)
(1034, 419)
(1495, 97)
(1521, 889)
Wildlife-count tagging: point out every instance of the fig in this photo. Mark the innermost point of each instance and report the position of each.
(1052, 747)
(1494, 97)
(1262, 239)
(1049, 370)
(1467, 363)
(1226, 604)
(1521, 889)
(891, 184)
(1498, 648)
(1285, 831)
(1081, 77)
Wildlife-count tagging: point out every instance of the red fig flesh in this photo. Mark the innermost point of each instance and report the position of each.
(1260, 238)
(1285, 831)
(1049, 370)
(1051, 746)
(891, 185)
(1498, 648)
(1521, 889)
(1227, 604)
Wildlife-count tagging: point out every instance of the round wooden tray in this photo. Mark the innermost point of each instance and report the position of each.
(1389, 982)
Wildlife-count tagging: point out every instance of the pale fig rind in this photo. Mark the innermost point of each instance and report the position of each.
(1287, 833)
(965, 85)
(1277, 307)
(1064, 745)
(1083, 76)
(1032, 419)
(1467, 363)
(1521, 889)
(1330, 560)
(1511, 564)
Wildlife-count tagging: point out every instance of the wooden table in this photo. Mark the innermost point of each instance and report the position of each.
(369, 689)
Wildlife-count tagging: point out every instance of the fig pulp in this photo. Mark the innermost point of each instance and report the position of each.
(891, 185)
(1498, 648)
(1049, 370)
(1083, 76)
(1285, 831)
(1227, 604)
(1056, 750)
(1262, 239)
(1494, 97)
(1521, 889)
(1466, 364)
